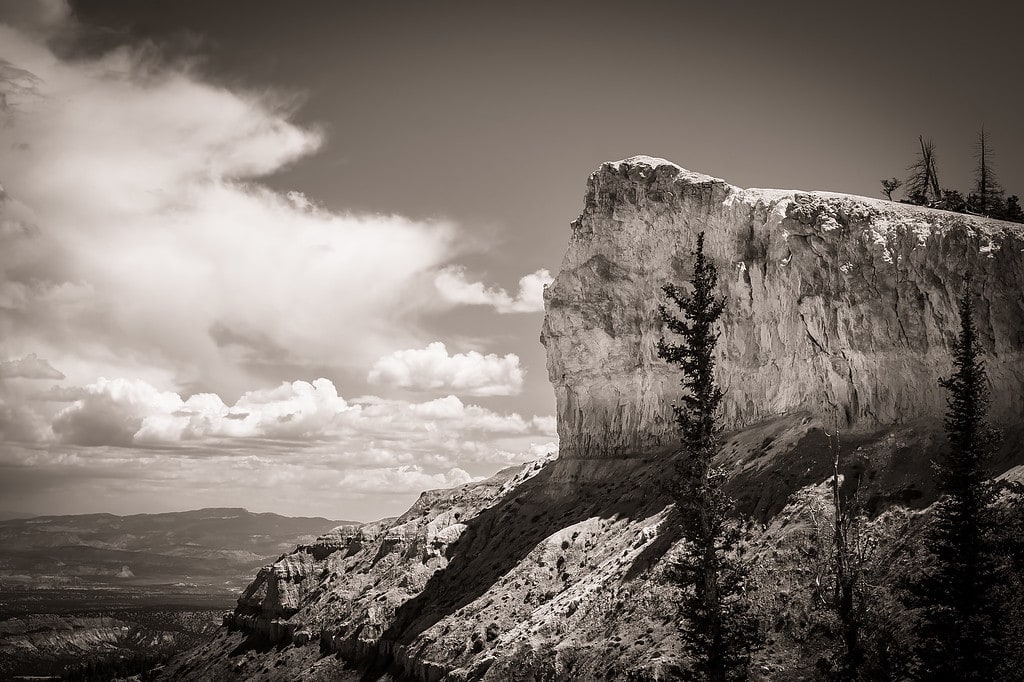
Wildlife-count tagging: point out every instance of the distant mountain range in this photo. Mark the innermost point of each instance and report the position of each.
(6, 514)
(77, 590)
(205, 551)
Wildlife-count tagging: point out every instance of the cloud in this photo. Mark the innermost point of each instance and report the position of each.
(111, 412)
(433, 369)
(29, 367)
(404, 479)
(324, 479)
(39, 17)
(18, 423)
(125, 412)
(299, 200)
(299, 446)
(296, 410)
(454, 288)
(121, 480)
(548, 425)
(136, 241)
(122, 412)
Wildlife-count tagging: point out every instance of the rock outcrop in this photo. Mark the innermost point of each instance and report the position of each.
(532, 576)
(281, 588)
(411, 548)
(45, 646)
(838, 305)
(839, 308)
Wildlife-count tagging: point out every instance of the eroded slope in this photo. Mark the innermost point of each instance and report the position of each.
(841, 311)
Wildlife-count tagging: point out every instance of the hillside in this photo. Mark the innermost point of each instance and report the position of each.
(95, 587)
(208, 547)
(841, 312)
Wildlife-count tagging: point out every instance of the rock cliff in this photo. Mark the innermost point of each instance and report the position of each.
(838, 305)
(840, 308)
(530, 576)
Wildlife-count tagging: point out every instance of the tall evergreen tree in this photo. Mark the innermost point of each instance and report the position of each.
(720, 632)
(988, 195)
(959, 629)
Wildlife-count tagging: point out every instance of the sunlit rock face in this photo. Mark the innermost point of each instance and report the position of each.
(837, 305)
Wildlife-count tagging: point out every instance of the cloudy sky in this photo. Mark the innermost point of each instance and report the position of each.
(291, 257)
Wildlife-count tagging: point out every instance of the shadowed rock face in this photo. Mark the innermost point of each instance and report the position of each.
(537, 574)
(838, 305)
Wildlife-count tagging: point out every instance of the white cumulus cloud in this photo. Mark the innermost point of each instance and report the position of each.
(131, 412)
(135, 240)
(403, 479)
(432, 368)
(455, 288)
(120, 437)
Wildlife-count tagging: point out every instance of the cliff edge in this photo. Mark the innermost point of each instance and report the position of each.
(840, 309)
(840, 306)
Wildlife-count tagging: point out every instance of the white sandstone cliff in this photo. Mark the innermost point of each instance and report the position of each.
(840, 306)
(837, 305)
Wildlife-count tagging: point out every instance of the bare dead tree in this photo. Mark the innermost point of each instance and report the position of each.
(844, 551)
(851, 551)
(923, 181)
(988, 195)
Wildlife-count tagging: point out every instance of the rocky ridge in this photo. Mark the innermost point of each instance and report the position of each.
(40, 645)
(839, 305)
(840, 309)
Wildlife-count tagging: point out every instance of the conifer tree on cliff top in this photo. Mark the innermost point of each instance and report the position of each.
(719, 633)
(959, 629)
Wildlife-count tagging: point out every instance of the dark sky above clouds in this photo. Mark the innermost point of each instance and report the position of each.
(210, 207)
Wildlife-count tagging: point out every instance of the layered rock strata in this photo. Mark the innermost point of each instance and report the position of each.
(838, 305)
(840, 309)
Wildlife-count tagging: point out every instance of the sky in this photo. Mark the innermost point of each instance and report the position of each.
(290, 256)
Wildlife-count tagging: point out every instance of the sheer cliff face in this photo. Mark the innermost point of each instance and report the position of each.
(837, 305)
(840, 306)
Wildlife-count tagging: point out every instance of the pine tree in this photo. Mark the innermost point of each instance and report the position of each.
(953, 200)
(988, 195)
(720, 632)
(959, 630)
(1012, 211)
